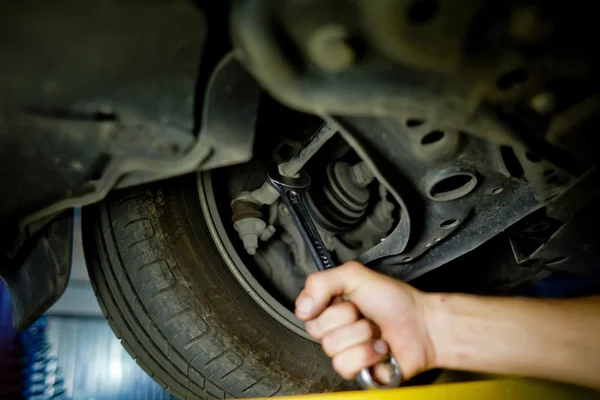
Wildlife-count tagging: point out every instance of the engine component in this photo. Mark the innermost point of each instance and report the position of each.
(441, 78)
(342, 200)
(292, 238)
(266, 194)
(437, 231)
(247, 221)
(247, 205)
(292, 192)
(375, 226)
(276, 264)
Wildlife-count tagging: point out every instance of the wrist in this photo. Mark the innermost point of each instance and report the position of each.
(439, 324)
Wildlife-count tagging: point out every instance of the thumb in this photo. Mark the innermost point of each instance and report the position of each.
(322, 287)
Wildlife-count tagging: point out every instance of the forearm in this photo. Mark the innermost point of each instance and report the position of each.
(554, 339)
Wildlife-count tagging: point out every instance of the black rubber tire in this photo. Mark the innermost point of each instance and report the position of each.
(178, 310)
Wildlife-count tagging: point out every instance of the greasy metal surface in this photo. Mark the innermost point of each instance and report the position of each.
(440, 230)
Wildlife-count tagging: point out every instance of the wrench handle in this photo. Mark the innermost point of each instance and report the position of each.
(292, 192)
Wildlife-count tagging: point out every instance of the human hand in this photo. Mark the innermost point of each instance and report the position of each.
(360, 316)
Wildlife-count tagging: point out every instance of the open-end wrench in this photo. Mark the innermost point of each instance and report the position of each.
(292, 192)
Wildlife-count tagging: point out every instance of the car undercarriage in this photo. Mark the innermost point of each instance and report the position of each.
(449, 147)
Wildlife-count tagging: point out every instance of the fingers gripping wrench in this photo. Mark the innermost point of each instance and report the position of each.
(292, 191)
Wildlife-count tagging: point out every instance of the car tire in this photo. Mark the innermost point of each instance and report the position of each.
(178, 310)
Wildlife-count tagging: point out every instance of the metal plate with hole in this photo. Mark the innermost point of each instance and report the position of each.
(451, 213)
(450, 184)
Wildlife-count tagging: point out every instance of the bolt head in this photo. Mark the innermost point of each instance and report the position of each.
(543, 103)
(329, 49)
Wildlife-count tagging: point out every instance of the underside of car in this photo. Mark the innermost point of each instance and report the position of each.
(451, 145)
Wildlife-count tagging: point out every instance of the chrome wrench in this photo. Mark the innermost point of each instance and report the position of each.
(292, 192)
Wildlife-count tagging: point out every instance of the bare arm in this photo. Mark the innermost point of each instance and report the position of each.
(554, 339)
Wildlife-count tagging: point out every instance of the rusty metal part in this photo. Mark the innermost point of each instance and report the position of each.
(245, 209)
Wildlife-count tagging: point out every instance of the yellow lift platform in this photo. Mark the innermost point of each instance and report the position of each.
(490, 389)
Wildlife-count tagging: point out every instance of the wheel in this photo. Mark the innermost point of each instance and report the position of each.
(197, 325)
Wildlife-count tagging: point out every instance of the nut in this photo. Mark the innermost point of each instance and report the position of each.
(249, 230)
